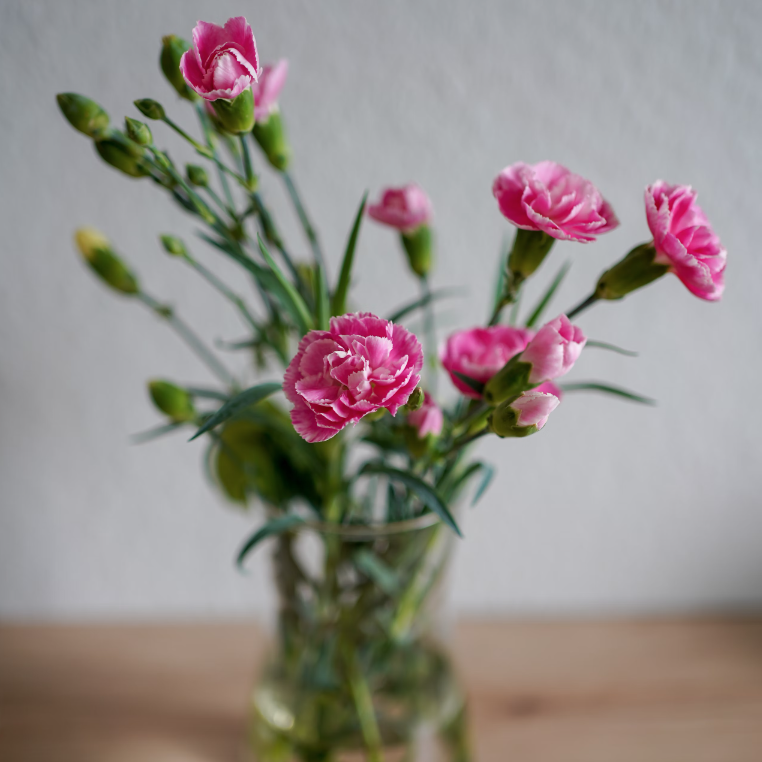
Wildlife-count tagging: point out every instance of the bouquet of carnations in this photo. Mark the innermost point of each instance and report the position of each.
(358, 663)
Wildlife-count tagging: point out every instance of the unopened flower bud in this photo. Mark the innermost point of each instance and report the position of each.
(197, 175)
(415, 400)
(83, 114)
(150, 108)
(236, 116)
(172, 49)
(530, 247)
(522, 415)
(116, 149)
(171, 400)
(173, 245)
(271, 137)
(418, 247)
(97, 252)
(138, 131)
(637, 269)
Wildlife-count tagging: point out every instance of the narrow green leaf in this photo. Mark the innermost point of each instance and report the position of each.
(477, 386)
(610, 347)
(323, 300)
(293, 301)
(372, 566)
(548, 295)
(339, 305)
(422, 301)
(273, 527)
(237, 404)
(234, 346)
(594, 386)
(425, 492)
(489, 472)
(211, 394)
(155, 433)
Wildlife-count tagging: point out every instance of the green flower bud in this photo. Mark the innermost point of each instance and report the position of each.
(150, 108)
(415, 400)
(116, 149)
(271, 137)
(83, 114)
(171, 400)
(508, 382)
(636, 270)
(197, 175)
(137, 131)
(172, 49)
(236, 116)
(173, 245)
(530, 247)
(418, 247)
(97, 252)
(504, 419)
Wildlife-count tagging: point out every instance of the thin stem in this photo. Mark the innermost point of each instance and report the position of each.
(270, 232)
(591, 300)
(247, 165)
(204, 120)
(204, 151)
(309, 230)
(430, 336)
(364, 706)
(463, 441)
(478, 410)
(510, 295)
(187, 334)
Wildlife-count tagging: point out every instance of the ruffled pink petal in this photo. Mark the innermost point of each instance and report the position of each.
(191, 70)
(266, 91)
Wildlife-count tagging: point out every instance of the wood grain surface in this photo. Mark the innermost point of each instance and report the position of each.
(659, 691)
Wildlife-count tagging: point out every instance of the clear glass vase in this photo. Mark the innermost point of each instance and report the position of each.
(359, 669)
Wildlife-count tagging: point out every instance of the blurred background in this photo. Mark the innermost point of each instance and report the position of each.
(615, 509)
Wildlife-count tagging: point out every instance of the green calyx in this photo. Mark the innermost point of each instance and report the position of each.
(503, 421)
(82, 113)
(150, 108)
(173, 245)
(270, 134)
(236, 116)
(116, 149)
(196, 175)
(530, 247)
(174, 402)
(415, 400)
(172, 49)
(138, 132)
(508, 382)
(418, 246)
(636, 270)
(96, 250)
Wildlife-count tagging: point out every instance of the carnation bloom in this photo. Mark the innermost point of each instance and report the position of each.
(534, 407)
(405, 208)
(554, 350)
(267, 89)
(479, 353)
(550, 198)
(223, 61)
(361, 364)
(684, 240)
(428, 419)
(548, 387)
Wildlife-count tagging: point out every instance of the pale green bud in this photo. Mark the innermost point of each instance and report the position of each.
(138, 131)
(174, 402)
(97, 252)
(150, 108)
(271, 136)
(415, 400)
(418, 246)
(196, 175)
(83, 114)
(173, 245)
(116, 149)
(172, 49)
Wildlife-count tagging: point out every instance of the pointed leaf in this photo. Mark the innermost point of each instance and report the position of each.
(610, 347)
(211, 394)
(425, 492)
(594, 386)
(422, 301)
(477, 386)
(547, 296)
(339, 305)
(489, 472)
(273, 527)
(155, 433)
(238, 404)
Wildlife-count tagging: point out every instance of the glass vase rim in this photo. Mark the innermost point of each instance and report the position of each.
(371, 530)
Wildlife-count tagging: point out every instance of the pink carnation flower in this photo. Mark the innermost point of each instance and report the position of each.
(554, 350)
(223, 61)
(684, 240)
(428, 419)
(534, 407)
(405, 208)
(548, 197)
(548, 387)
(362, 364)
(267, 89)
(479, 353)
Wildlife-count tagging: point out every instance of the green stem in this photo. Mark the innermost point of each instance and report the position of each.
(248, 168)
(364, 705)
(458, 444)
(589, 302)
(309, 230)
(510, 295)
(430, 337)
(187, 334)
(204, 120)
(270, 232)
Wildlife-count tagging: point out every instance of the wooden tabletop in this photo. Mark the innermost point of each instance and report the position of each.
(569, 692)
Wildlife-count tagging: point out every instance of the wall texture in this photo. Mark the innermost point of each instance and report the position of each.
(614, 508)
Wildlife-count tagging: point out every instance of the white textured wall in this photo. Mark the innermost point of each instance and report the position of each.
(613, 508)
